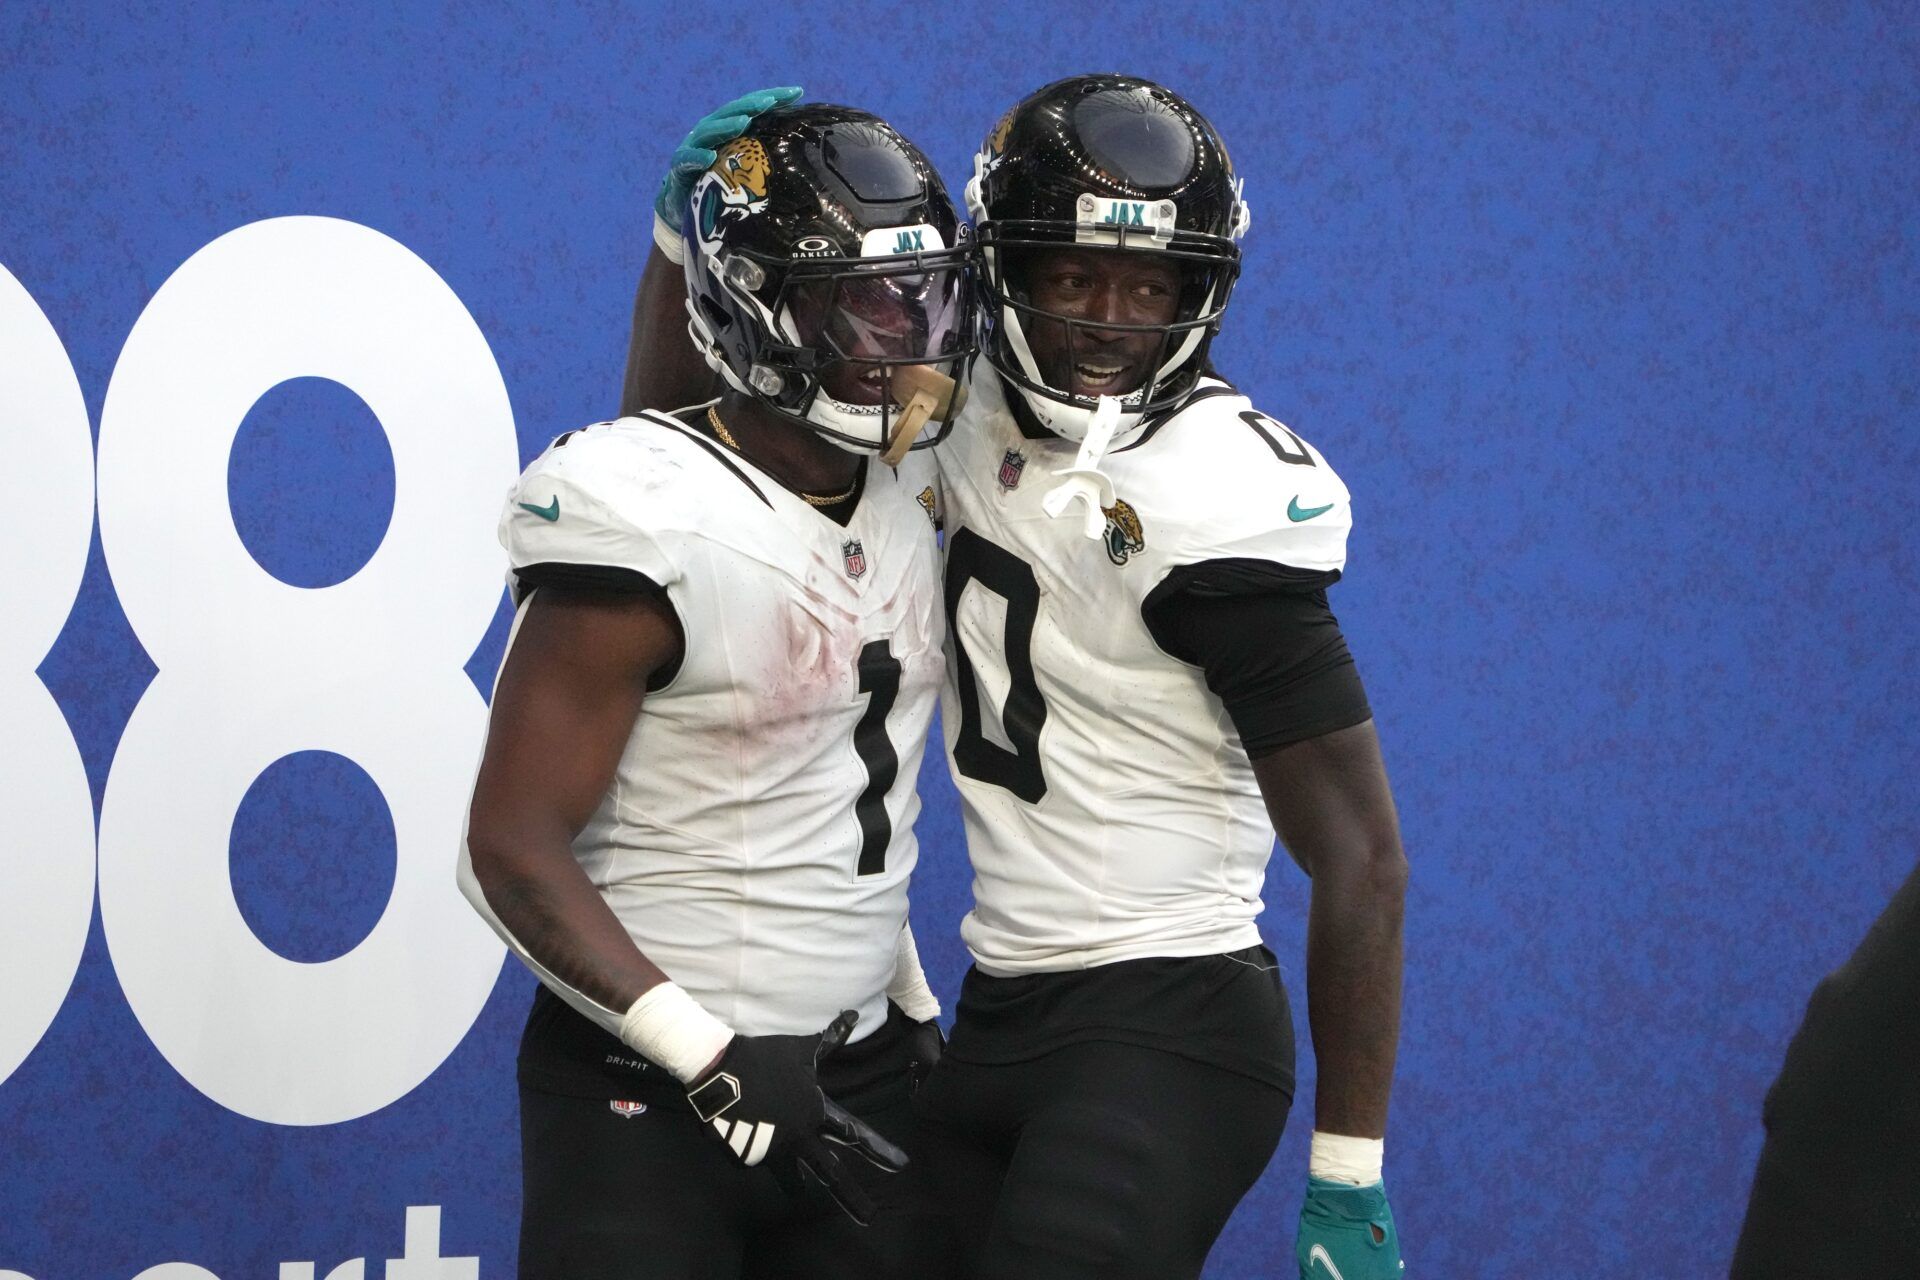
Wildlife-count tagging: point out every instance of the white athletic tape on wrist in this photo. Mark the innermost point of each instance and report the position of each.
(1335, 1157)
(668, 1026)
(667, 239)
(909, 988)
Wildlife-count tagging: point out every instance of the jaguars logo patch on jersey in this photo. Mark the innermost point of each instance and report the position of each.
(925, 499)
(1124, 535)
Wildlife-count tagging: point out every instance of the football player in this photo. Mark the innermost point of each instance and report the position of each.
(694, 815)
(1145, 684)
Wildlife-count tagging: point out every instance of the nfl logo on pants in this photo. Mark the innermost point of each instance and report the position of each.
(856, 557)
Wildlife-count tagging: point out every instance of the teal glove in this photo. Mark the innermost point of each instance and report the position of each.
(695, 155)
(1337, 1234)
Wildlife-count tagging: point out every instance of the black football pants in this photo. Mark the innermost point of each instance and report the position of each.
(656, 1196)
(1837, 1192)
(1100, 1160)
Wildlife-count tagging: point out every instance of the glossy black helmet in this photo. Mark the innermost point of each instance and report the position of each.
(1106, 163)
(826, 268)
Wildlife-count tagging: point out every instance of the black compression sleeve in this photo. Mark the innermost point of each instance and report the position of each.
(611, 579)
(1269, 645)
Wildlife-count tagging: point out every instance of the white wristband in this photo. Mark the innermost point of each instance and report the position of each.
(667, 239)
(909, 988)
(1335, 1157)
(669, 1027)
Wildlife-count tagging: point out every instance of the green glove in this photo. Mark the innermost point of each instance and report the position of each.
(694, 155)
(1346, 1233)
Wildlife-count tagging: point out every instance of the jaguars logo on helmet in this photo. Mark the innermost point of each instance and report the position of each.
(734, 187)
(743, 163)
(997, 140)
(1124, 535)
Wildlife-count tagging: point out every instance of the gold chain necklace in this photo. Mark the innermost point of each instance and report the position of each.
(811, 499)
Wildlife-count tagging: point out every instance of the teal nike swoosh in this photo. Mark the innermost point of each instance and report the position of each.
(1295, 512)
(552, 510)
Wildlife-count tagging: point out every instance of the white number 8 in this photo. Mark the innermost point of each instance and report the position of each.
(252, 669)
(46, 811)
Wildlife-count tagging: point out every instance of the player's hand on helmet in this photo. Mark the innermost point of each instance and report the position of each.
(696, 154)
(763, 1100)
(1347, 1232)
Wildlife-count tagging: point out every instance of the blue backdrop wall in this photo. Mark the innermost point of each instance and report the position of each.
(1607, 314)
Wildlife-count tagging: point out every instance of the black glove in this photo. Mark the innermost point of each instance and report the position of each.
(925, 1044)
(764, 1101)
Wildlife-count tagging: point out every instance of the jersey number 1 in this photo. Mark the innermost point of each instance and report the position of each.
(879, 677)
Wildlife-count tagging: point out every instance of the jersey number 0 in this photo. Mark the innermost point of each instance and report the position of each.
(972, 558)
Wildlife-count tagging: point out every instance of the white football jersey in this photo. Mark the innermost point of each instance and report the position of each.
(1111, 811)
(758, 835)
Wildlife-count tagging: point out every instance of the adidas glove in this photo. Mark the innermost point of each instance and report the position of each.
(763, 1100)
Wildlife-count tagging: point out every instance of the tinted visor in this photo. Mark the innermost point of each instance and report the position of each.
(859, 322)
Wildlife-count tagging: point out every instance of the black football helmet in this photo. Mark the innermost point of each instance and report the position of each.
(1112, 163)
(828, 275)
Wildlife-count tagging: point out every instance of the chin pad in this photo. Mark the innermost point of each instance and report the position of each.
(928, 395)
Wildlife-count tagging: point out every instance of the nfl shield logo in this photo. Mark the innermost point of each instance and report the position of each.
(627, 1110)
(1010, 468)
(856, 557)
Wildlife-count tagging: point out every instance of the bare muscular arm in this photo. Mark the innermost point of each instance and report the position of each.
(565, 706)
(1329, 800)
